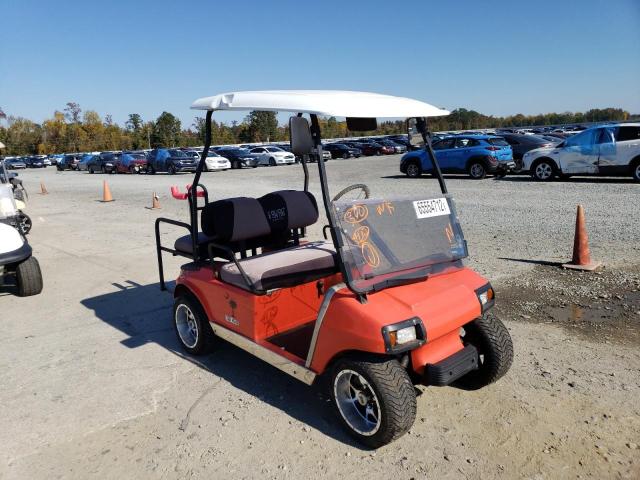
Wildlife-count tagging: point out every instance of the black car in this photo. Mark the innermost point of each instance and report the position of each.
(69, 162)
(105, 162)
(340, 150)
(35, 162)
(521, 144)
(170, 160)
(239, 157)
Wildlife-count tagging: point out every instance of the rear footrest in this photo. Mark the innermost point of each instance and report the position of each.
(451, 368)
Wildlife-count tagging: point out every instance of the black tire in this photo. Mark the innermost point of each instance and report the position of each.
(495, 349)
(91, 170)
(477, 170)
(29, 277)
(103, 169)
(151, 170)
(132, 170)
(414, 170)
(394, 400)
(543, 170)
(272, 162)
(204, 340)
(345, 156)
(24, 222)
(378, 153)
(635, 170)
(235, 165)
(171, 170)
(355, 186)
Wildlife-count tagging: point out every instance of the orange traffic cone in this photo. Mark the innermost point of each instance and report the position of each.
(106, 192)
(155, 203)
(581, 254)
(43, 189)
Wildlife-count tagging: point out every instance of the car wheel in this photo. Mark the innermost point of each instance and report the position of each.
(345, 156)
(374, 398)
(495, 350)
(477, 170)
(171, 170)
(414, 170)
(635, 171)
(151, 170)
(90, 169)
(272, 162)
(543, 170)
(29, 277)
(132, 170)
(192, 325)
(378, 153)
(103, 170)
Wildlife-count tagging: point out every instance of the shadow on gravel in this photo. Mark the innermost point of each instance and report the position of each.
(8, 286)
(143, 313)
(527, 178)
(534, 262)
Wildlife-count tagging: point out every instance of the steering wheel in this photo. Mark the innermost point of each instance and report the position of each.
(351, 188)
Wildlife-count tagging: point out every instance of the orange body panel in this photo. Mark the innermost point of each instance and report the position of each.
(443, 302)
(255, 316)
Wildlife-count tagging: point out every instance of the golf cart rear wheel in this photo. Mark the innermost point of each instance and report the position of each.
(374, 398)
(191, 325)
(29, 277)
(495, 350)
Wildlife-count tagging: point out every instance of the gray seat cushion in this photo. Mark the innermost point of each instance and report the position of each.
(184, 244)
(283, 268)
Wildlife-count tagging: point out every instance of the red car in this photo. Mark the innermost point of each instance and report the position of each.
(131, 162)
(372, 148)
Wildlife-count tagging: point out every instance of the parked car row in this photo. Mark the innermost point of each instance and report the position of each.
(605, 150)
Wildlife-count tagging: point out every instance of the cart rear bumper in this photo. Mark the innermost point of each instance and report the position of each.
(451, 368)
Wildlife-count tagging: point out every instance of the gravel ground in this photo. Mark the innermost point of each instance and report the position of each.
(93, 383)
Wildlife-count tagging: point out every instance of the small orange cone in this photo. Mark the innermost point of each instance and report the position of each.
(43, 189)
(581, 254)
(106, 192)
(155, 203)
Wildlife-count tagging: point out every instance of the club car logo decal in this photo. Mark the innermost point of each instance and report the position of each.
(434, 207)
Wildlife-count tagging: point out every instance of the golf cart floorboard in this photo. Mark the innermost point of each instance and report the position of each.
(295, 341)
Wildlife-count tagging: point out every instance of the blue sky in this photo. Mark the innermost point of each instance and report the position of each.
(497, 57)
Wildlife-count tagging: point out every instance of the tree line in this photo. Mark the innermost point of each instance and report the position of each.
(72, 130)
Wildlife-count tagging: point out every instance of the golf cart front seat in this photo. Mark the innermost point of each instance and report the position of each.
(273, 221)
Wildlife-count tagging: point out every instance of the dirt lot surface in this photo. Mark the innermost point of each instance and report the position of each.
(93, 383)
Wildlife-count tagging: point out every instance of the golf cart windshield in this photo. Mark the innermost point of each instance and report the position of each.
(389, 241)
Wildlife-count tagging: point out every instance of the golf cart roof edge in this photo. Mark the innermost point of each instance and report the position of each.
(337, 103)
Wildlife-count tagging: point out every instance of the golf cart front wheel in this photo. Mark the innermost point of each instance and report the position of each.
(374, 398)
(191, 325)
(495, 351)
(24, 222)
(29, 277)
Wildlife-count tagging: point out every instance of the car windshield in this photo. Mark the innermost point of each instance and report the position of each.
(388, 241)
(212, 154)
(274, 149)
(178, 154)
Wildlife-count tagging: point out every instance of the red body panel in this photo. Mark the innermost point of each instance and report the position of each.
(444, 303)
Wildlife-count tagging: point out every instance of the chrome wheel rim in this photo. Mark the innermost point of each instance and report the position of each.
(186, 325)
(357, 402)
(543, 171)
(412, 170)
(477, 170)
(638, 172)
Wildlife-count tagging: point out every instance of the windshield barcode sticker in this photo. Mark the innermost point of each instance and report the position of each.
(434, 207)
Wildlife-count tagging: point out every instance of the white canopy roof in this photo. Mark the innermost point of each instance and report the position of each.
(336, 103)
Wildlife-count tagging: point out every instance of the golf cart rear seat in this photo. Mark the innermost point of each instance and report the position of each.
(274, 223)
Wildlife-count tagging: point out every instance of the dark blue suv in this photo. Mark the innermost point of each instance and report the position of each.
(170, 160)
(476, 155)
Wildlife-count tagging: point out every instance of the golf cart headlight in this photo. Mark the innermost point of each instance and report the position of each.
(403, 336)
(486, 297)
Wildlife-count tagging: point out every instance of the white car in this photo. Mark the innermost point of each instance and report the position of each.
(273, 156)
(216, 162)
(608, 150)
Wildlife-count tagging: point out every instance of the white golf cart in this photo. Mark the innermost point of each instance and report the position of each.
(16, 256)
